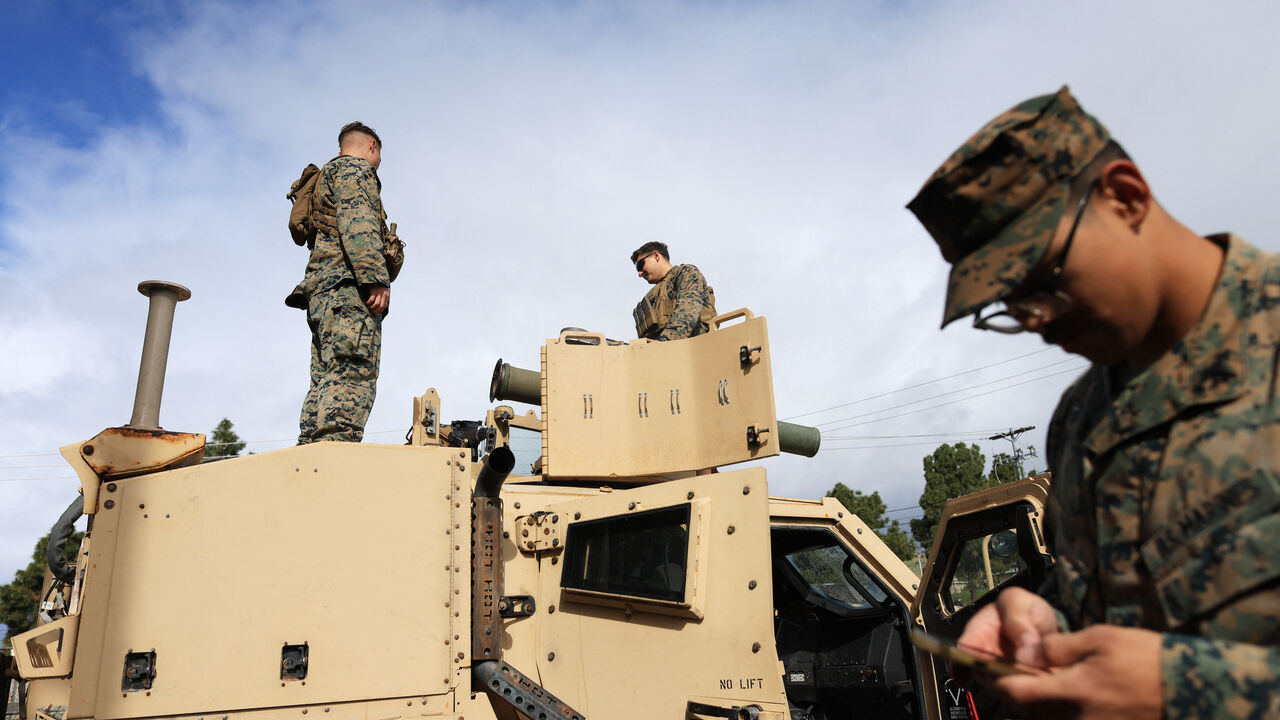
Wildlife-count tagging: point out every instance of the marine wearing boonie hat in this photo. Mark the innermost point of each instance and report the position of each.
(993, 206)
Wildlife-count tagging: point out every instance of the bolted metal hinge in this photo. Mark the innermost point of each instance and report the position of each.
(539, 532)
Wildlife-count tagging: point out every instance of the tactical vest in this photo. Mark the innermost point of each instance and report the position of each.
(657, 306)
(323, 217)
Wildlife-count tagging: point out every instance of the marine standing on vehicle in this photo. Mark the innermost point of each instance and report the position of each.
(680, 304)
(1164, 515)
(346, 289)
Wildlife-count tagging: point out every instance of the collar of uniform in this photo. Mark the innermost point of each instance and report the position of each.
(1206, 366)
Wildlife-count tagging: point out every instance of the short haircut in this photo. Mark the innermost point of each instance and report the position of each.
(649, 247)
(1081, 182)
(358, 127)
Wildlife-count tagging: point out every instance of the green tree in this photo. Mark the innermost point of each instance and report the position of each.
(19, 598)
(871, 509)
(223, 441)
(949, 472)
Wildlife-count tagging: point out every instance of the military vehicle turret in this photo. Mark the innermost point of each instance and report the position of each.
(593, 556)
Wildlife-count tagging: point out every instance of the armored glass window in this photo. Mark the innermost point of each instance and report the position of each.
(833, 577)
(643, 554)
(527, 445)
(983, 564)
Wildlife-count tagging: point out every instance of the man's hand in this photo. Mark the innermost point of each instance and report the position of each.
(1012, 628)
(379, 298)
(1100, 672)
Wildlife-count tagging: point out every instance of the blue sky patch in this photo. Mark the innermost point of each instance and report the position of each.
(70, 70)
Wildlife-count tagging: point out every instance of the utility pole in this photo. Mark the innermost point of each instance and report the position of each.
(1012, 436)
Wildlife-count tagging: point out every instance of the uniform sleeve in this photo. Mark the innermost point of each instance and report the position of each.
(1205, 678)
(691, 292)
(360, 223)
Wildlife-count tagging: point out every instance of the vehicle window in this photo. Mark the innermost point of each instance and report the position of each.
(983, 564)
(527, 446)
(642, 554)
(823, 569)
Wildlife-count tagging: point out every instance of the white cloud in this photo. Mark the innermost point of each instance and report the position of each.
(531, 147)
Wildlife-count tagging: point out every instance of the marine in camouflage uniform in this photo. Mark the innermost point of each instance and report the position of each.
(679, 305)
(345, 275)
(1165, 506)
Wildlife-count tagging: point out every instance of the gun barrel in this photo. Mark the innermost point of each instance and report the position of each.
(798, 439)
(512, 383)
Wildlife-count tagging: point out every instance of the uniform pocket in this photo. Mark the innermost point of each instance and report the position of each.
(1218, 551)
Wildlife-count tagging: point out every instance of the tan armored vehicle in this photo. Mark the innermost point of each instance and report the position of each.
(591, 556)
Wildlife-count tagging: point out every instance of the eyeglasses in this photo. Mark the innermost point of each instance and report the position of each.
(641, 261)
(1046, 302)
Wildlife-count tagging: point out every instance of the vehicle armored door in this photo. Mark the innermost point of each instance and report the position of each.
(662, 601)
(985, 542)
(842, 603)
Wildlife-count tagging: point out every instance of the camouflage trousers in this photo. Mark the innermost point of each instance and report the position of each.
(346, 347)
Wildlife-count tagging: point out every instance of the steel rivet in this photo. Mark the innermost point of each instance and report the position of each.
(631, 506)
(577, 515)
(111, 487)
(551, 609)
(839, 514)
(690, 495)
(517, 505)
(746, 489)
(732, 529)
(751, 585)
(755, 647)
(304, 711)
(551, 656)
(109, 504)
(88, 449)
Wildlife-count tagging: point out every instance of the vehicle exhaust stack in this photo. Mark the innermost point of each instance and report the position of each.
(165, 296)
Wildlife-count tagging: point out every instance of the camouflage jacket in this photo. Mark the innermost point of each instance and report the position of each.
(681, 305)
(351, 185)
(1165, 510)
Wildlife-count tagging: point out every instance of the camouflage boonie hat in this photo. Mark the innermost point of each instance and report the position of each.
(993, 205)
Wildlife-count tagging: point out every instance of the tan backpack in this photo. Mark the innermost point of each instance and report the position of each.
(307, 216)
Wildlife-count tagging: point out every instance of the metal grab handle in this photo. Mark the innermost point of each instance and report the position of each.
(719, 320)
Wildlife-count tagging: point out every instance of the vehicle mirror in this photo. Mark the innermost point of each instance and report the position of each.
(1004, 543)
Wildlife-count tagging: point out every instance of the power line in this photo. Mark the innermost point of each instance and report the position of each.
(922, 384)
(875, 447)
(957, 433)
(951, 392)
(963, 399)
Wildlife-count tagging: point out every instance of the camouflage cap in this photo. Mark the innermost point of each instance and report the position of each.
(993, 205)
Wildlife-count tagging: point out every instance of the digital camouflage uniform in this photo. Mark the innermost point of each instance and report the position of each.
(346, 337)
(680, 305)
(1165, 505)
(1165, 510)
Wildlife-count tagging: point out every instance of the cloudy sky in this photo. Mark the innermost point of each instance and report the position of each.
(529, 147)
